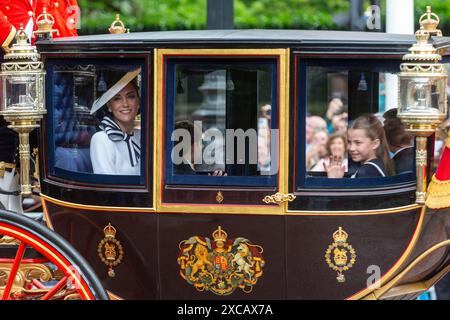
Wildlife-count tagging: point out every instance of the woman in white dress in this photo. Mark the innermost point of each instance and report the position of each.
(115, 149)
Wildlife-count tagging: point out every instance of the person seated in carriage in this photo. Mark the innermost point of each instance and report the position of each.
(185, 164)
(400, 142)
(367, 146)
(116, 148)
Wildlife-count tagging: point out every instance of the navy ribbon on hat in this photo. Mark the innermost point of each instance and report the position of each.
(116, 134)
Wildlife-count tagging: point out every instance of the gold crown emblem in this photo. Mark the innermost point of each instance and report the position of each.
(117, 27)
(340, 257)
(110, 231)
(429, 22)
(110, 252)
(340, 235)
(45, 20)
(220, 235)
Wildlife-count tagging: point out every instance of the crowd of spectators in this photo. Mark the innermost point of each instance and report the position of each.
(324, 136)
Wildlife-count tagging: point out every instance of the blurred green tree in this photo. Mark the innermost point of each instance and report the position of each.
(144, 15)
(147, 15)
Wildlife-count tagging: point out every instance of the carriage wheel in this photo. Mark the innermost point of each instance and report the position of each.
(37, 263)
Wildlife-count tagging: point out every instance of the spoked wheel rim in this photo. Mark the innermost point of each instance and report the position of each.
(76, 278)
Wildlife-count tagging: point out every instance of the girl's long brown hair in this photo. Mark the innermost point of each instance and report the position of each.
(374, 130)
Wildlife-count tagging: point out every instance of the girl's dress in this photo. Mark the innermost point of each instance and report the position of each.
(371, 168)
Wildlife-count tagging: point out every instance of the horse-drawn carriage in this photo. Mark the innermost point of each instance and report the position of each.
(271, 228)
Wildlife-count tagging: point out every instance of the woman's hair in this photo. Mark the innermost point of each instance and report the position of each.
(374, 130)
(337, 135)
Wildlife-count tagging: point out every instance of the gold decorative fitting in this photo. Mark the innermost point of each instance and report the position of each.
(36, 165)
(110, 231)
(429, 22)
(219, 197)
(421, 197)
(336, 255)
(34, 280)
(45, 22)
(340, 235)
(421, 51)
(7, 240)
(279, 198)
(421, 157)
(117, 27)
(222, 265)
(22, 49)
(422, 94)
(110, 250)
(4, 166)
(220, 235)
(24, 108)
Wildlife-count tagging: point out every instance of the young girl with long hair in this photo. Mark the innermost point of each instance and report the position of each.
(367, 145)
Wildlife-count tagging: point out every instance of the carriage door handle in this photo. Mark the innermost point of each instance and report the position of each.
(279, 198)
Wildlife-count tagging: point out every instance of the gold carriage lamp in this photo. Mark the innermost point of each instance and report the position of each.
(422, 94)
(44, 23)
(22, 104)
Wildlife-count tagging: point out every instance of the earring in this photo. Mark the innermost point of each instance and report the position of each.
(109, 109)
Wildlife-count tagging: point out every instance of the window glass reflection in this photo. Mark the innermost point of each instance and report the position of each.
(227, 111)
(350, 131)
(94, 119)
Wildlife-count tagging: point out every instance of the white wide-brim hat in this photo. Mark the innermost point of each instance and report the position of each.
(115, 89)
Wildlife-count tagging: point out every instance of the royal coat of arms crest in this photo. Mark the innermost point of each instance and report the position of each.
(340, 255)
(220, 265)
(110, 250)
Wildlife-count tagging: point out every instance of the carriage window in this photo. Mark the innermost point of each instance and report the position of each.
(223, 119)
(351, 128)
(95, 121)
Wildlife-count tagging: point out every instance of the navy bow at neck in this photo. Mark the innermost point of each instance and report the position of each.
(116, 134)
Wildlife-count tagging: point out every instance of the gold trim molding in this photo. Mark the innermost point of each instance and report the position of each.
(283, 106)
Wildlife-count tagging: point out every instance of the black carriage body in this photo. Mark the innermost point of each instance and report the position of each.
(157, 214)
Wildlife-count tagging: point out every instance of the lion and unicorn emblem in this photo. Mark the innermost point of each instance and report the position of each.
(220, 265)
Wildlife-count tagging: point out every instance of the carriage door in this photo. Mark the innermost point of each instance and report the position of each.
(221, 123)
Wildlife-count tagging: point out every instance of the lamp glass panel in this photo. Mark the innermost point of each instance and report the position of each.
(422, 95)
(21, 92)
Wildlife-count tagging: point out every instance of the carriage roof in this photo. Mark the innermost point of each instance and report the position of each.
(317, 40)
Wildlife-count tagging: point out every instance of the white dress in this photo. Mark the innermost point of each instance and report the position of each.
(109, 157)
